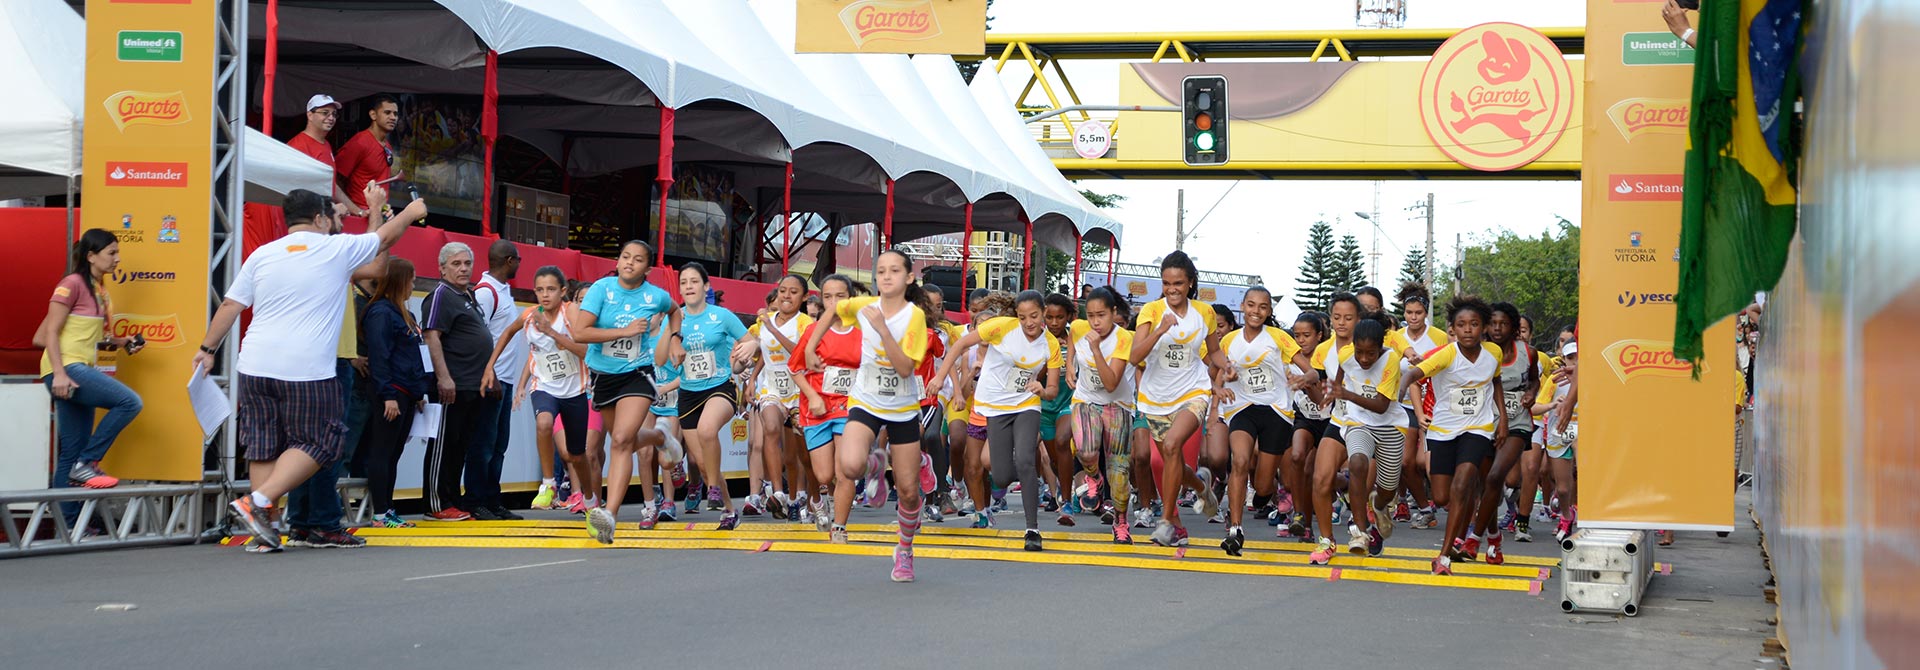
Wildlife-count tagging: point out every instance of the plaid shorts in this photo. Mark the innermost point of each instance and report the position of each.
(276, 415)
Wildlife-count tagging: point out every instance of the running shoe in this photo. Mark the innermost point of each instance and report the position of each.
(1143, 518)
(449, 514)
(927, 483)
(1340, 507)
(1033, 540)
(998, 501)
(1166, 534)
(1297, 524)
(576, 503)
(1522, 530)
(930, 513)
(1402, 512)
(666, 510)
(505, 514)
(713, 499)
(1322, 552)
(966, 504)
(1356, 540)
(1470, 549)
(1236, 538)
(649, 514)
(1275, 517)
(1047, 501)
(1108, 514)
(797, 511)
(1283, 501)
(1065, 519)
(822, 508)
(902, 563)
(1376, 542)
(1564, 529)
(752, 506)
(876, 489)
(1121, 535)
(1423, 519)
(1442, 565)
(1454, 553)
(1071, 506)
(544, 499)
(1086, 493)
(88, 475)
(1494, 555)
(679, 475)
(1382, 521)
(1013, 488)
(982, 520)
(298, 537)
(947, 506)
(334, 539)
(670, 450)
(1507, 522)
(484, 513)
(391, 519)
(600, 525)
(729, 521)
(1219, 516)
(1187, 498)
(253, 547)
(780, 506)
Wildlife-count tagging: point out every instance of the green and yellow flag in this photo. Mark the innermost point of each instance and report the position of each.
(1738, 214)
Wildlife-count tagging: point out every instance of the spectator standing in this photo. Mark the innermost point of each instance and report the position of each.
(458, 342)
(494, 293)
(290, 404)
(368, 157)
(400, 383)
(73, 333)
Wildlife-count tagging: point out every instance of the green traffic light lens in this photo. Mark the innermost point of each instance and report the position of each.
(1203, 141)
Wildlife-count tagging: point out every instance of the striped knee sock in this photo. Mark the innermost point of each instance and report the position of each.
(909, 522)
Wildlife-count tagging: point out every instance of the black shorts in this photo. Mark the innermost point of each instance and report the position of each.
(1271, 432)
(1525, 435)
(610, 388)
(1445, 455)
(1334, 432)
(276, 415)
(692, 403)
(1314, 428)
(897, 432)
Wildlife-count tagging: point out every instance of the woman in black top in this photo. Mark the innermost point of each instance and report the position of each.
(395, 361)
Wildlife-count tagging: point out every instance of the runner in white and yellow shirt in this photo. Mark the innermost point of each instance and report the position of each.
(1415, 304)
(1520, 380)
(1343, 310)
(1563, 433)
(776, 334)
(1366, 379)
(886, 395)
(1257, 403)
(1170, 347)
(1019, 370)
(1294, 510)
(1103, 395)
(1467, 413)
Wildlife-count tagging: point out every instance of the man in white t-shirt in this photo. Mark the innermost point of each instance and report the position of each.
(494, 294)
(290, 410)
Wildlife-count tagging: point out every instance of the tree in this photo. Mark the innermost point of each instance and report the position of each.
(1352, 264)
(1059, 264)
(968, 67)
(1413, 270)
(1317, 269)
(1539, 275)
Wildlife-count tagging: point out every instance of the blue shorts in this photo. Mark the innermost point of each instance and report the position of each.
(821, 435)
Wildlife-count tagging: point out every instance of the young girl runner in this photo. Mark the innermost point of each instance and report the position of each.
(1215, 456)
(1256, 405)
(1414, 303)
(832, 356)
(1563, 424)
(982, 496)
(708, 334)
(1344, 310)
(1364, 387)
(1056, 427)
(619, 321)
(1103, 396)
(559, 387)
(776, 334)
(1020, 369)
(933, 433)
(1466, 415)
(665, 416)
(886, 396)
(1171, 350)
(1309, 418)
(1519, 381)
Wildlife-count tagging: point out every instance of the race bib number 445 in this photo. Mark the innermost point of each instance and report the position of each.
(1467, 400)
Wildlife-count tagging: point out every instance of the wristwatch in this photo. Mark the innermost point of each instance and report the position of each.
(205, 350)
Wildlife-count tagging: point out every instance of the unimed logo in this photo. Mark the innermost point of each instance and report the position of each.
(134, 173)
(1643, 187)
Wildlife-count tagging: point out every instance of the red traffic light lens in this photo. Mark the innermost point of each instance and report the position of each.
(1203, 121)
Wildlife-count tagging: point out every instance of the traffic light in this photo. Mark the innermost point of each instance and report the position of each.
(1203, 119)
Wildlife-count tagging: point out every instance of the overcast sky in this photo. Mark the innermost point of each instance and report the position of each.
(1461, 207)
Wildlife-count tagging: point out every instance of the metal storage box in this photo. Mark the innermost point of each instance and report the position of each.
(1605, 570)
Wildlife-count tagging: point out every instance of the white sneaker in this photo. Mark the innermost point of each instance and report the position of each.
(1356, 541)
(670, 450)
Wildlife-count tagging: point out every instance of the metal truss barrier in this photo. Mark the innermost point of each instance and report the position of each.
(134, 516)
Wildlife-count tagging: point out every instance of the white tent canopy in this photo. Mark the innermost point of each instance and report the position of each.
(43, 67)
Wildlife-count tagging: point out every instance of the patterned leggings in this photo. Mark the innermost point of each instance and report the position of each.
(1108, 427)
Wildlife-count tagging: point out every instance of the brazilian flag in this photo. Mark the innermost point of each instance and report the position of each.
(1738, 213)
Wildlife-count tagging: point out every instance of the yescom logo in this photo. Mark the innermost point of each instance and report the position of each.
(144, 108)
(1631, 359)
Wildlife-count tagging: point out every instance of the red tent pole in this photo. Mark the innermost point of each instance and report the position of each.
(786, 225)
(1026, 257)
(1110, 266)
(665, 180)
(886, 228)
(966, 253)
(272, 67)
(489, 130)
(1076, 262)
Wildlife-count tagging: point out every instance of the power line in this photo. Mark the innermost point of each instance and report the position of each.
(1216, 205)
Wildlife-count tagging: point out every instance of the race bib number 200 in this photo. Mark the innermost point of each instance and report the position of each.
(837, 380)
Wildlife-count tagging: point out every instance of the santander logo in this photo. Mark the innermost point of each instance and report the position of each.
(1631, 359)
(1644, 187)
(142, 108)
(904, 20)
(1634, 117)
(138, 173)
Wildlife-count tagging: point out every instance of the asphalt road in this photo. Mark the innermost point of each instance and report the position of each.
(392, 607)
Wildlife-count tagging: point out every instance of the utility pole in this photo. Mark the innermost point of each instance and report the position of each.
(1459, 267)
(1375, 220)
(1180, 220)
(1429, 276)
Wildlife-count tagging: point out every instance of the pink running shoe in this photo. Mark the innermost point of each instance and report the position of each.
(903, 563)
(576, 504)
(1283, 503)
(927, 482)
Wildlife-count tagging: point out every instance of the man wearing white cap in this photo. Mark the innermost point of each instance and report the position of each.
(322, 113)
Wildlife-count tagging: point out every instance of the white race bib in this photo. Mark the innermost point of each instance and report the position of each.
(701, 366)
(781, 379)
(554, 367)
(1257, 379)
(837, 380)
(670, 398)
(1090, 378)
(1516, 405)
(1018, 378)
(1176, 356)
(1369, 392)
(1467, 399)
(1307, 409)
(624, 349)
(883, 381)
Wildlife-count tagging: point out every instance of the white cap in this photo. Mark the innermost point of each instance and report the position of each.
(321, 100)
(1570, 349)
